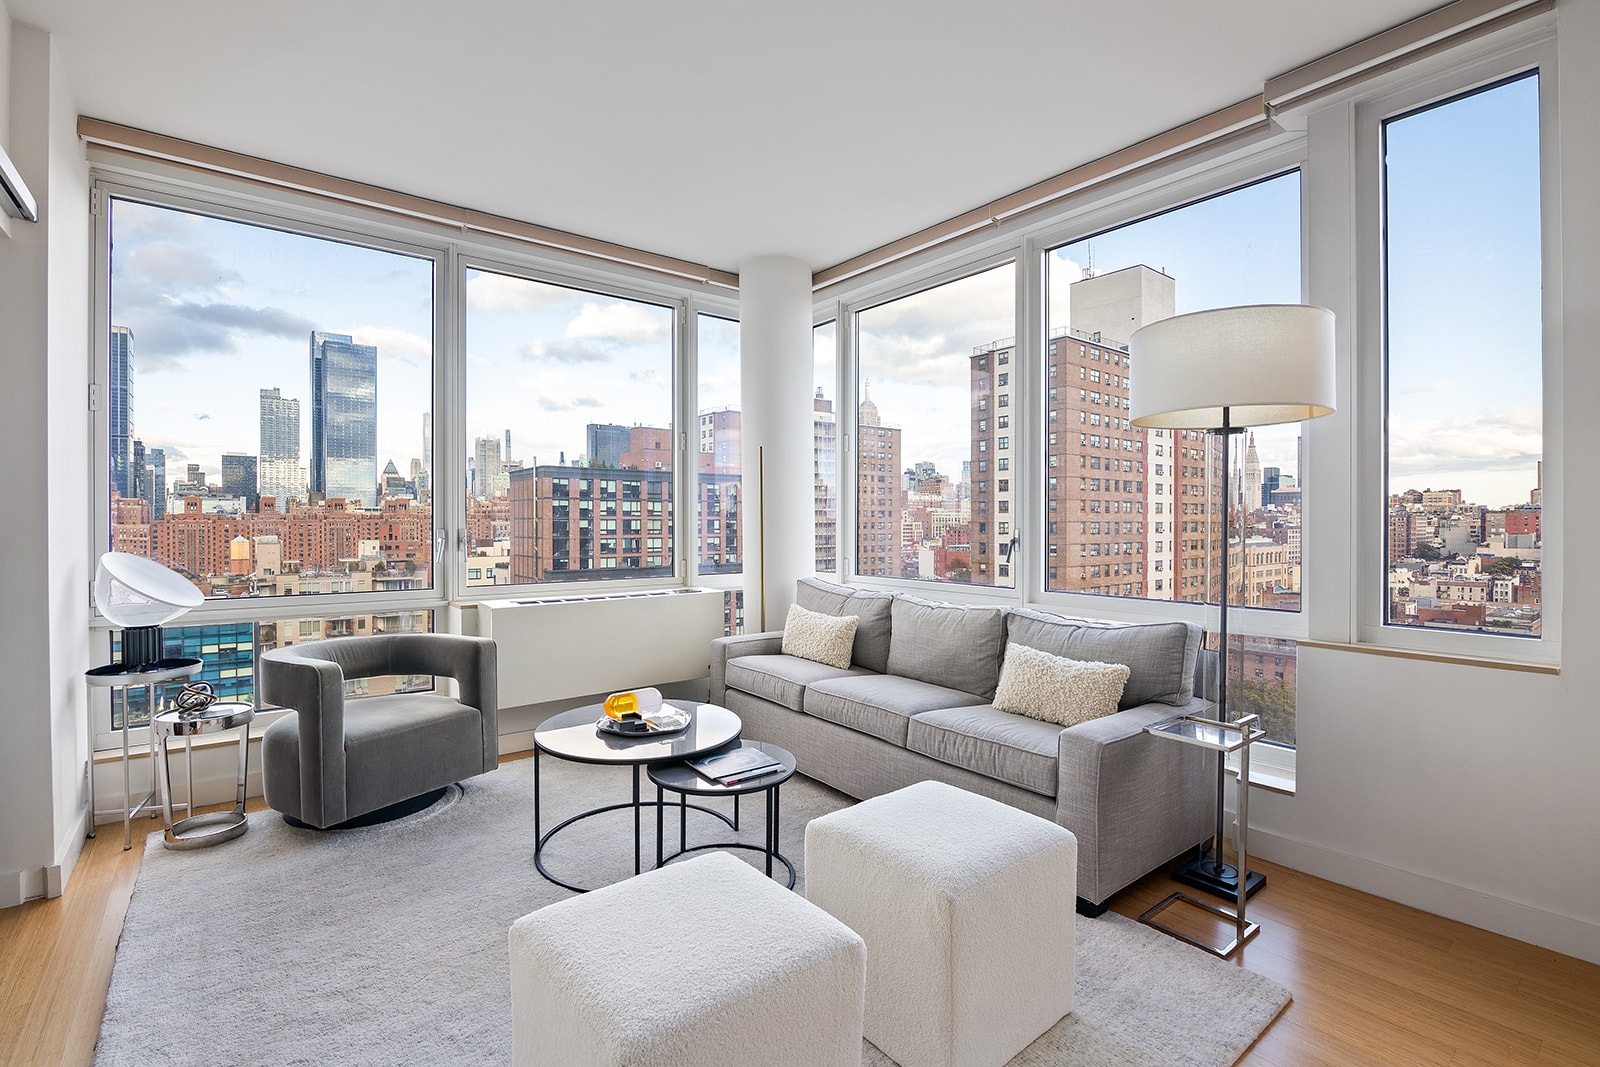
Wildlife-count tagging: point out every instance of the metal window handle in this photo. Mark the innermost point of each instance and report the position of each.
(1008, 548)
(438, 543)
(461, 540)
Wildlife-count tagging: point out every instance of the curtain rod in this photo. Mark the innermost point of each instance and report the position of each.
(188, 155)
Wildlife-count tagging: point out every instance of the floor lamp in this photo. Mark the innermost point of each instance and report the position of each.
(1223, 371)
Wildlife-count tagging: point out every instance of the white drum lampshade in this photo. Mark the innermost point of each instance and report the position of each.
(1265, 363)
(140, 595)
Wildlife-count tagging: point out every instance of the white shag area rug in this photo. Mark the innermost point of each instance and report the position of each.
(387, 945)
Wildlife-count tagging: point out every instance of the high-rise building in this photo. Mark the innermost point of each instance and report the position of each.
(486, 468)
(606, 443)
(279, 474)
(427, 451)
(155, 462)
(1250, 481)
(825, 478)
(993, 498)
(1271, 478)
(120, 405)
(344, 418)
(878, 550)
(719, 436)
(239, 478)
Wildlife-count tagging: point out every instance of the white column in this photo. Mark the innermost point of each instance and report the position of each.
(776, 435)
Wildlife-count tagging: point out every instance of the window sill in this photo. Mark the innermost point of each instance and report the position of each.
(1435, 657)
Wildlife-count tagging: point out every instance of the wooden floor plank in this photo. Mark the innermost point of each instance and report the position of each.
(1374, 982)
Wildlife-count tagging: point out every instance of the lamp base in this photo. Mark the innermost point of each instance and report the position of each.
(1219, 879)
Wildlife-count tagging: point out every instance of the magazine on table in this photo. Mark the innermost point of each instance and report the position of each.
(730, 768)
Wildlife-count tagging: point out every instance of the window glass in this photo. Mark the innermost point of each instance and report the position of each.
(925, 507)
(270, 406)
(569, 431)
(1464, 455)
(1148, 502)
(717, 475)
(824, 358)
(228, 654)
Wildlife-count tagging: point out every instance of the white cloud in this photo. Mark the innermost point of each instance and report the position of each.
(577, 403)
(395, 344)
(1508, 440)
(500, 292)
(620, 322)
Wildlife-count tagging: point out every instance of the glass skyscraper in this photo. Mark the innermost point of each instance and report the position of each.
(124, 478)
(280, 473)
(344, 418)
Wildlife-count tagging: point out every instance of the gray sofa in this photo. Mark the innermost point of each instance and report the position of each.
(915, 704)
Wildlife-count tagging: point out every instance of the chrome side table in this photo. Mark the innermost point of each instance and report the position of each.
(1222, 738)
(200, 831)
(119, 676)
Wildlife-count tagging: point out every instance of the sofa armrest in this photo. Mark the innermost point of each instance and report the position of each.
(725, 648)
(1133, 800)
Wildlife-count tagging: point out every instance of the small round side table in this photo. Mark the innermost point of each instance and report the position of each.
(681, 778)
(200, 831)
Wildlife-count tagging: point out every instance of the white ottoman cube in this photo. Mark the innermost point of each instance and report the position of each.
(702, 963)
(967, 906)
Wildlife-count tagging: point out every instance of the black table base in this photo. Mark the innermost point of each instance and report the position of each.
(543, 837)
(769, 848)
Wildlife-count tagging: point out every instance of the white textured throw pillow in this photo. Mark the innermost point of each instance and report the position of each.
(824, 638)
(1056, 689)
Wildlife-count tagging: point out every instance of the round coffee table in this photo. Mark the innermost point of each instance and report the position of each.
(682, 779)
(573, 736)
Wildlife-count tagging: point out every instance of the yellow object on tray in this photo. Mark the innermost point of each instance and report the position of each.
(639, 702)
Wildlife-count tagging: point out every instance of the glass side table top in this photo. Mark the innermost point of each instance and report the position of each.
(1207, 733)
(572, 736)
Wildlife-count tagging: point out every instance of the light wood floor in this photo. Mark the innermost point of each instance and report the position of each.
(1373, 982)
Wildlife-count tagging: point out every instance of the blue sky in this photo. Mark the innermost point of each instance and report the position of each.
(1464, 296)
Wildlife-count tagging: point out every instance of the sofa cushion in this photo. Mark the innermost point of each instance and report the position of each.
(868, 605)
(879, 704)
(947, 645)
(781, 679)
(1160, 656)
(1056, 689)
(996, 744)
(824, 638)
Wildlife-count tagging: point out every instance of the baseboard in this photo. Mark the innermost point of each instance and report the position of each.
(1565, 934)
(68, 849)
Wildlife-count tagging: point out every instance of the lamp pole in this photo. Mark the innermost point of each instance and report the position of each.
(1210, 873)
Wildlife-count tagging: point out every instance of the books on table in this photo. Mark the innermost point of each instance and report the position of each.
(731, 768)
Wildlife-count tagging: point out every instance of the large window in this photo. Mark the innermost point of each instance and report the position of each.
(825, 451)
(717, 474)
(1137, 513)
(569, 436)
(269, 401)
(935, 494)
(1464, 440)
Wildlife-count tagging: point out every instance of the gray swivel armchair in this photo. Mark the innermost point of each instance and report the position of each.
(337, 760)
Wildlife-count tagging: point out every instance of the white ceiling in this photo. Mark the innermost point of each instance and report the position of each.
(711, 130)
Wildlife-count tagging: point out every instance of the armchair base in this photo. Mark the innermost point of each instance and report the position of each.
(382, 815)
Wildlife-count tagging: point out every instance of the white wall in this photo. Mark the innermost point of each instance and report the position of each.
(44, 273)
(1470, 792)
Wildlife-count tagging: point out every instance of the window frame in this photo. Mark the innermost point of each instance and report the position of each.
(1530, 50)
(236, 209)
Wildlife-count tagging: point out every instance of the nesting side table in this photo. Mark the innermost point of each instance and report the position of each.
(199, 831)
(1222, 738)
(120, 676)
